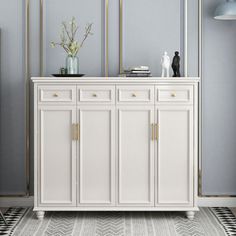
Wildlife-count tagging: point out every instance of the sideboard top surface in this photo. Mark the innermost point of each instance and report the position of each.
(114, 80)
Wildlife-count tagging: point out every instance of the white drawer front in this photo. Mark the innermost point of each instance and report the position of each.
(96, 94)
(65, 94)
(135, 94)
(175, 94)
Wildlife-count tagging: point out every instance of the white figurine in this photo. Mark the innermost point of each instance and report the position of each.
(165, 63)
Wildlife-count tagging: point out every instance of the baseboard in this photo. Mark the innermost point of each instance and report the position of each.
(217, 201)
(202, 201)
(16, 201)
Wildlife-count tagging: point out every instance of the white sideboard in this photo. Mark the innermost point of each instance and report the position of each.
(115, 144)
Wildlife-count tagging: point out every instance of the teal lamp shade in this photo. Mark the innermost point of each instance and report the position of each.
(226, 11)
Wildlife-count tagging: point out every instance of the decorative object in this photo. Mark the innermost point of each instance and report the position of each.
(209, 221)
(176, 65)
(63, 71)
(137, 71)
(72, 65)
(226, 11)
(71, 45)
(112, 109)
(165, 64)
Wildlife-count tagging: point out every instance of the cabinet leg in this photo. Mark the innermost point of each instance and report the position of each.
(40, 214)
(190, 215)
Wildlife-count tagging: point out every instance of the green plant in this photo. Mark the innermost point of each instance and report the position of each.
(68, 34)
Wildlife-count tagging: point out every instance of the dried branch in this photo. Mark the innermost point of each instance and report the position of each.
(88, 31)
(68, 42)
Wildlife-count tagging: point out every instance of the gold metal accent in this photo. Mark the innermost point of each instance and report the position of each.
(156, 131)
(107, 39)
(134, 95)
(78, 131)
(153, 132)
(185, 38)
(27, 97)
(95, 95)
(55, 95)
(121, 37)
(173, 95)
(41, 39)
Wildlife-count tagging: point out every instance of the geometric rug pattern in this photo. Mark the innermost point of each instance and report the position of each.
(226, 219)
(208, 221)
(13, 216)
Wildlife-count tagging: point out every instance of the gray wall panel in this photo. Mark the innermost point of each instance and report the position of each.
(219, 110)
(12, 140)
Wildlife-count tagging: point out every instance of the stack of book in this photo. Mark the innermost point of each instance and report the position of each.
(139, 71)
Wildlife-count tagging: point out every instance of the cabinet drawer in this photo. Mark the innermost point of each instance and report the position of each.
(64, 94)
(135, 94)
(92, 94)
(174, 94)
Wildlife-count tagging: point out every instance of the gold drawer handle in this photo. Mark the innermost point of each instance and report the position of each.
(55, 95)
(173, 95)
(95, 95)
(134, 95)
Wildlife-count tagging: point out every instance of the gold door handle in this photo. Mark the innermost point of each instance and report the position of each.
(55, 95)
(78, 131)
(95, 95)
(74, 135)
(134, 95)
(173, 95)
(152, 132)
(157, 131)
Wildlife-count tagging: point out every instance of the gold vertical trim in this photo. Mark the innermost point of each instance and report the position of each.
(121, 37)
(107, 38)
(41, 39)
(27, 99)
(186, 38)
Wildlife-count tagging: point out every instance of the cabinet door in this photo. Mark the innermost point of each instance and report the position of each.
(96, 155)
(174, 156)
(57, 156)
(135, 155)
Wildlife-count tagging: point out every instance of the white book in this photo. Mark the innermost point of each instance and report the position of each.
(141, 71)
(139, 68)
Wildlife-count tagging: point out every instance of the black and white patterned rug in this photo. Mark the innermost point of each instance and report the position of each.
(209, 221)
(13, 217)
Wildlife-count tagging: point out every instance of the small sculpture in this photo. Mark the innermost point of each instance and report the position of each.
(176, 65)
(165, 63)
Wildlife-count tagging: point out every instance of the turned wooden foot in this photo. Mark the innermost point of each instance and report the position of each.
(40, 214)
(190, 215)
